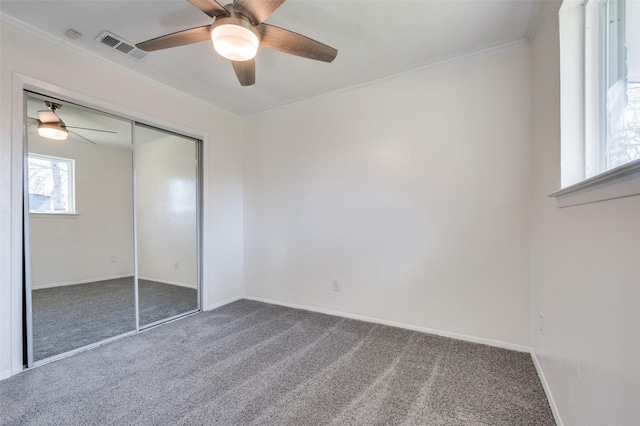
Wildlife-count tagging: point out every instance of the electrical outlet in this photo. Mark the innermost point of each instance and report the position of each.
(113, 259)
(175, 265)
(541, 323)
(335, 285)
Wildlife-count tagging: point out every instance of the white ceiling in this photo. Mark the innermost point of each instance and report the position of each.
(375, 39)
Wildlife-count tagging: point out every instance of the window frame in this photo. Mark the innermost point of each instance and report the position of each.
(584, 78)
(71, 185)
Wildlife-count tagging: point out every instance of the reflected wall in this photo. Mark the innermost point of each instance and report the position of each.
(167, 223)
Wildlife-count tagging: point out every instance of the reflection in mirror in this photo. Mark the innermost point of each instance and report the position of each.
(166, 177)
(80, 224)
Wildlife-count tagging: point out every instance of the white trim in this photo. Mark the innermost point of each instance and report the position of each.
(16, 262)
(457, 336)
(179, 284)
(594, 62)
(204, 208)
(5, 374)
(53, 214)
(224, 302)
(572, 97)
(85, 281)
(623, 181)
(547, 389)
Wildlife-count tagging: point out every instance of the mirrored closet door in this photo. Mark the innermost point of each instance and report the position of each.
(111, 227)
(166, 171)
(79, 183)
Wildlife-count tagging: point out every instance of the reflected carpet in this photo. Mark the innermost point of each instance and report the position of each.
(72, 316)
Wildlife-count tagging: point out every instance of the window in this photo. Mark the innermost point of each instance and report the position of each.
(600, 95)
(51, 184)
(622, 83)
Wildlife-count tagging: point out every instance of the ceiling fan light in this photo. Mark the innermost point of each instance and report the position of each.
(235, 42)
(52, 131)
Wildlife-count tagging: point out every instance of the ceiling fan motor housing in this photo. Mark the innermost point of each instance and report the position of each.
(235, 37)
(53, 106)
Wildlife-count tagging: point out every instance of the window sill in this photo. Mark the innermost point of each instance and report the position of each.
(623, 181)
(61, 215)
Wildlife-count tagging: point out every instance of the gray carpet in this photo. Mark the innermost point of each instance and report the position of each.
(250, 363)
(69, 317)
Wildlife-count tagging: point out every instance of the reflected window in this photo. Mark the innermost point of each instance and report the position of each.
(51, 184)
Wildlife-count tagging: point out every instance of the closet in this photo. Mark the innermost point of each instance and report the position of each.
(112, 212)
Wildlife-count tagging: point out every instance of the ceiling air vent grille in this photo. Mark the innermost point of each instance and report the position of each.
(121, 45)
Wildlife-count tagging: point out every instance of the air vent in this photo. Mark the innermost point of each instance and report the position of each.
(121, 45)
(124, 48)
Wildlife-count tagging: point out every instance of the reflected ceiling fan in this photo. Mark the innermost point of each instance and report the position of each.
(238, 30)
(50, 126)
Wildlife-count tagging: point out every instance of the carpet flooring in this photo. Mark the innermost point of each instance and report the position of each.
(69, 317)
(251, 363)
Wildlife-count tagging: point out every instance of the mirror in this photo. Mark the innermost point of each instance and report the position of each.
(166, 175)
(111, 233)
(80, 226)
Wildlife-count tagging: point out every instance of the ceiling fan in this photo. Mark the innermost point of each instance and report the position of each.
(238, 30)
(50, 126)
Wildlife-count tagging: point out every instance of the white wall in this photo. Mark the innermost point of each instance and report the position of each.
(586, 274)
(72, 249)
(413, 192)
(166, 209)
(93, 81)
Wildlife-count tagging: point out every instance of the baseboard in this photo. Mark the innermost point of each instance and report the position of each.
(224, 302)
(5, 374)
(179, 284)
(90, 280)
(114, 277)
(547, 389)
(467, 338)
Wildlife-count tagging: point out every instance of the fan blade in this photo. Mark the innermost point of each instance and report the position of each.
(46, 116)
(32, 121)
(245, 71)
(257, 10)
(210, 7)
(294, 44)
(180, 38)
(80, 136)
(93, 130)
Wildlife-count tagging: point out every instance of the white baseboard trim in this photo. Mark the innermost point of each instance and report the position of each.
(85, 281)
(114, 277)
(224, 302)
(547, 389)
(5, 374)
(179, 284)
(473, 339)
